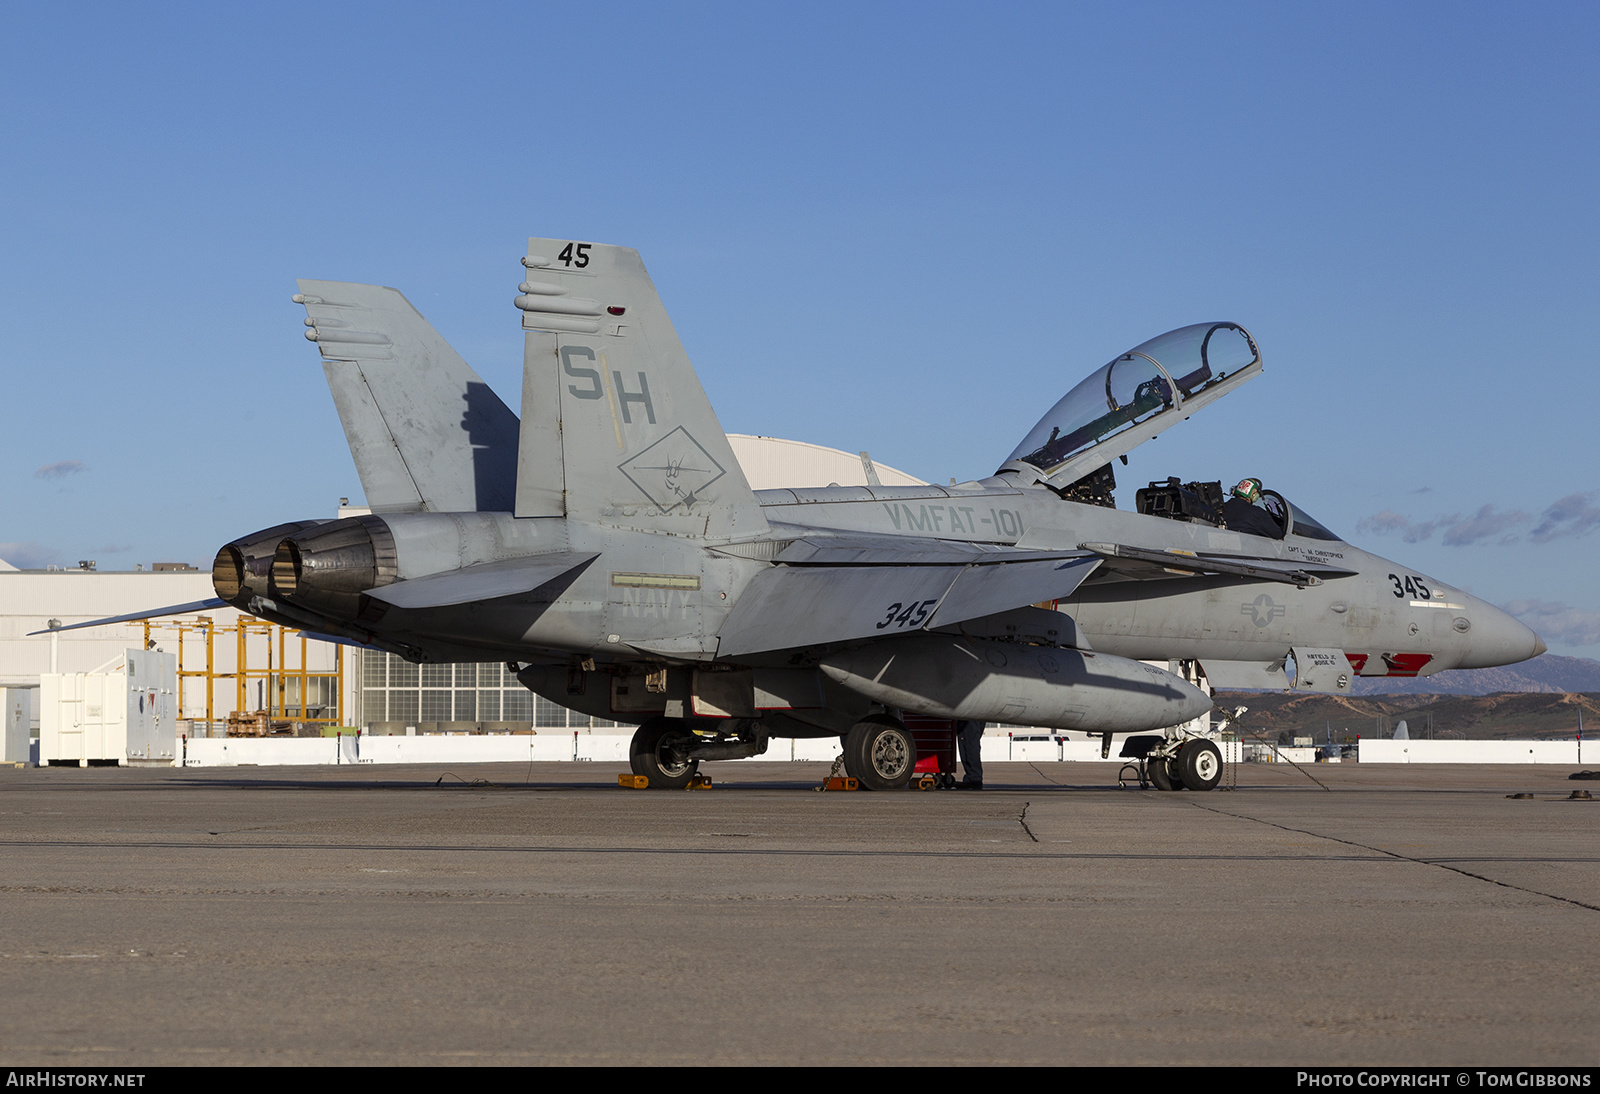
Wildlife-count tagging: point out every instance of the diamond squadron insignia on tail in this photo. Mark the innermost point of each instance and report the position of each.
(673, 471)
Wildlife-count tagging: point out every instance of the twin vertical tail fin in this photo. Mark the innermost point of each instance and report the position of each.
(616, 428)
(426, 432)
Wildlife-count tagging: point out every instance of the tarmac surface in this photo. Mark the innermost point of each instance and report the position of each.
(413, 915)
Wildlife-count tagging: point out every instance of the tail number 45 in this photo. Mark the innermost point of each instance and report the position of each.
(575, 254)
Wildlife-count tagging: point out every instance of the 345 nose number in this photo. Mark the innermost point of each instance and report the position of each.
(1412, 587)
(901, 616)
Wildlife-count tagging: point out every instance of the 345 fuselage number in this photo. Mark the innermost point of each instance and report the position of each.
(907, 615)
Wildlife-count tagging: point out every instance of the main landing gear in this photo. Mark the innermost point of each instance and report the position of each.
(880, 753)
(660, 751)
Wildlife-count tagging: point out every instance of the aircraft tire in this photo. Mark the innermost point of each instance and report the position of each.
(880, 753)
(647, 757)
(1199, 765)
(1160, 772)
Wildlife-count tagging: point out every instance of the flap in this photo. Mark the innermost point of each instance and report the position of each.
(985, 590)
(787, 607)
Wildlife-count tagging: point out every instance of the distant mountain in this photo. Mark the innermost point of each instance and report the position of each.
(1545, 673)
(1513, 716)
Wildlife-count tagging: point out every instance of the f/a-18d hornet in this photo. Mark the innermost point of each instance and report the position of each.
(609, 548)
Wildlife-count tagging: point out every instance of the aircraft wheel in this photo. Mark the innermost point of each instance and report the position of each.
(655, 753)
(1160, 772)
(1199, 765)
(880, 753)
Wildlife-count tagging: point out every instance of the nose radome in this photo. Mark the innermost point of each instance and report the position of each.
(1499, 638)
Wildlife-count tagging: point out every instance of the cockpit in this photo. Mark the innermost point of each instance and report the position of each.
(1133, 398)
(1271, 515)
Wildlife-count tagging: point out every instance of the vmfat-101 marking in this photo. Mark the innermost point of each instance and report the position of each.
(1001, 525)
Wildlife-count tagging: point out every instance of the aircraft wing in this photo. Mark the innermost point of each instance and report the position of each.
(787, 607)
(488, 581)
(1138, 563)
(135, 617)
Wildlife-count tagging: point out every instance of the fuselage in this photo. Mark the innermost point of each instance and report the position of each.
(656, 596)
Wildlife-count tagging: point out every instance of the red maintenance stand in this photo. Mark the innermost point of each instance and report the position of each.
(936, 748)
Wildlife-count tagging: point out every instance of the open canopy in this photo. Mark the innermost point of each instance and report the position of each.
(1135, 397)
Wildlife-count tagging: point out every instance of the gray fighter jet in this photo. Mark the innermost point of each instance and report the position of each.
(608, 547)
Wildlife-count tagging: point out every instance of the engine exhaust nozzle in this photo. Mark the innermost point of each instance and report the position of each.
(327, 569)
(242, 567)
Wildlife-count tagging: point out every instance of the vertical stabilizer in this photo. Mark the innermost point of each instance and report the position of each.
(424, 429)
(615, 426)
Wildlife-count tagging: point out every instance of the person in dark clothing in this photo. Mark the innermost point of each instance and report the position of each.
(1245, 512)
(969, 738)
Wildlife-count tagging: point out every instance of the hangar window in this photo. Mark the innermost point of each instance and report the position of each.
(453, 698)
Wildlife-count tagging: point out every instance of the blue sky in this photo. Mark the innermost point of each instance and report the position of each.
(907, 228)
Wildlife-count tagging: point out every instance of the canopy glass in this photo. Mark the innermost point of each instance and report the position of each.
(1151, 379)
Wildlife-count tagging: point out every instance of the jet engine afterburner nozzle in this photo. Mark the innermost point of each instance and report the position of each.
(242, 567)
(327, 570)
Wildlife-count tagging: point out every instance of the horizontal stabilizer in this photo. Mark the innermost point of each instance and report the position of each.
(489, 581)
(788, 607)
(1142, 562)
(134, 617)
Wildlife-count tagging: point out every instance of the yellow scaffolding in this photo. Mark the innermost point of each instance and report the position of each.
(276, 678)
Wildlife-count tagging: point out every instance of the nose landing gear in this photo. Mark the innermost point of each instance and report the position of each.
(1192, 764)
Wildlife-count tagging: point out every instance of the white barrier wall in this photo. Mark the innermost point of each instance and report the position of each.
(1475, 752)
(544, 747)
(539, 747)
(613, 748)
